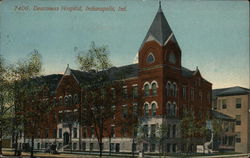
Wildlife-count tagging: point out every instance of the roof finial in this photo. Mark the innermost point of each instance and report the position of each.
(159, 10)
(67, 65)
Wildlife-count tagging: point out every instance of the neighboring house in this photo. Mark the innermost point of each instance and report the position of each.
(166, 87)
(234, 102)
(224, 127)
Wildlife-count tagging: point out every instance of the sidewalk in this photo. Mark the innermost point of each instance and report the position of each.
(9, 154)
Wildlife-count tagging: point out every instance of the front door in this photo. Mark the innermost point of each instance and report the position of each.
(66, 138)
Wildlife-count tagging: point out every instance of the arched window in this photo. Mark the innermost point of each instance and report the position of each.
(153, 109)
(154, 89)
(70, 100)
(60, 100)
(66, 100)
(168, 109)
(146, 111)
(75, 99)
(150, 58)
(174, 90)
(146, 90)
(174, 109)
(168, 88)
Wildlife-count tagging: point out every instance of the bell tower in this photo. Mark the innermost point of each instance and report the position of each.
(159, 45)
(159, 53)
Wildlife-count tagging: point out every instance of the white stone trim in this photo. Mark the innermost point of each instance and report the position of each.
(145, 83)
(154, 81)
(169, 38)
(145, 104)
(155, 104)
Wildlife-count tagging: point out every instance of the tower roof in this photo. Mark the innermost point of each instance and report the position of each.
(159, 30)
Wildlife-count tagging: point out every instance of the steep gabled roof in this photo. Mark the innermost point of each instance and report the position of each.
(159, 30)
(114, 73)
(186, 72)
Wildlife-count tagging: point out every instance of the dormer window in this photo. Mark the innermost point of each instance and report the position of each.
(150, 58)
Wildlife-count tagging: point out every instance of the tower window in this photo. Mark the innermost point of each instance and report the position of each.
(150, 58)
(172, 58)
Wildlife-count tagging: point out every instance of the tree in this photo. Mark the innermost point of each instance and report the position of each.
(101, 92)
(31, 106)
(191, 127)
(5, 107)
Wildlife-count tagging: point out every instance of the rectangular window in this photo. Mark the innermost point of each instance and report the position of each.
(84, 146)
(135, 91)
(145, 147)
(46, 133)
(135, 109)
(238, 138)
(75, 133)
(84, 132)
(124, 132)
(238, 119)
(192, 93)
(174, 148)
(184, 92)
(60, 133)
(174, 131)
(133, 147)
(92, 132)
(145, 130)
(112, 131)
(152, 147)
(224, 103)
(153, 130)
(54, 133)
(168, 130)
(91, 146)
(112, 146)
(238, 103)
(208, 97)
(125, 92)
(168, 148)
(135, 131)
(117, 147)
(200, 96)
(124, 111)
(113, 111)
(74, 146)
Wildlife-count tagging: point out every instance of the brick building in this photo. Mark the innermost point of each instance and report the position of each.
(166, 88)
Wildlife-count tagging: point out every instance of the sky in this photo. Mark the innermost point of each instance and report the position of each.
(213, 35)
